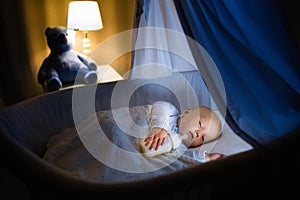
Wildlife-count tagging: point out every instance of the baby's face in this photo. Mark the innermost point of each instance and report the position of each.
(198, 125)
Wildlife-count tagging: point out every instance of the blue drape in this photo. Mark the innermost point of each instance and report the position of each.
(256, 54)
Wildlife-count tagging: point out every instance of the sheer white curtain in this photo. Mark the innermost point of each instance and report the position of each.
(161, 46)
(162, 49)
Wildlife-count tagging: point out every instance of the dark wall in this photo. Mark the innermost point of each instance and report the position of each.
(16, 80)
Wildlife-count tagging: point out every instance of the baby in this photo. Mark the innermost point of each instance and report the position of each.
(198, 125)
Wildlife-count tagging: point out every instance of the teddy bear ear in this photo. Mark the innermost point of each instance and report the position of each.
(47, 31)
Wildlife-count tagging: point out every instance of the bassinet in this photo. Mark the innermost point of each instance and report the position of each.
(26, 127)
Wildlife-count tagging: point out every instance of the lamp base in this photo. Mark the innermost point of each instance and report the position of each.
(86, 45)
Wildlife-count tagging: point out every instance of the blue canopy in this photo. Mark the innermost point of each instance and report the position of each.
(255, 51)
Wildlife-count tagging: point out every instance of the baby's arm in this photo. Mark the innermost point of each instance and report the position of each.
(159, 123)
(203, 156)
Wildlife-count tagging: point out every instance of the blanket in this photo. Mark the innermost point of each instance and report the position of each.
(106, 148)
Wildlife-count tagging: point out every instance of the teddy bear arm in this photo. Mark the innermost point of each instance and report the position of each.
(42, 74)
(88, 62)
(41, 77)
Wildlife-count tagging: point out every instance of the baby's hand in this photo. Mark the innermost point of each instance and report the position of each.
(156, 138)
(213, 156)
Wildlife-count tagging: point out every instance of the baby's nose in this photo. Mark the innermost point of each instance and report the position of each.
(197, 133)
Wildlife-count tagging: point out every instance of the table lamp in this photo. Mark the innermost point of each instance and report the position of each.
(84, 16)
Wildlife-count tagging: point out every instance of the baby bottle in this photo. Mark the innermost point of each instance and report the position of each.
(173, 141)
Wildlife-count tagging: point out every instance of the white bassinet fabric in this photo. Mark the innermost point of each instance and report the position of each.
(106, 148)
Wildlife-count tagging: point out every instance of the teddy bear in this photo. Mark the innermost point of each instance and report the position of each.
(64, 66)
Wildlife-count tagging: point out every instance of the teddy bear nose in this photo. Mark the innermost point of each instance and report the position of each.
(62, 38)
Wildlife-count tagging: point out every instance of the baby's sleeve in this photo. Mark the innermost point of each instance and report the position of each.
(198, 155)
(160, 115)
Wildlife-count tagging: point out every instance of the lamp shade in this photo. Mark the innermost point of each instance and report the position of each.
(84, 16)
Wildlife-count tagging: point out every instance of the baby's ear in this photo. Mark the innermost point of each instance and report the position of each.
(184, 112)
(187, 111)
